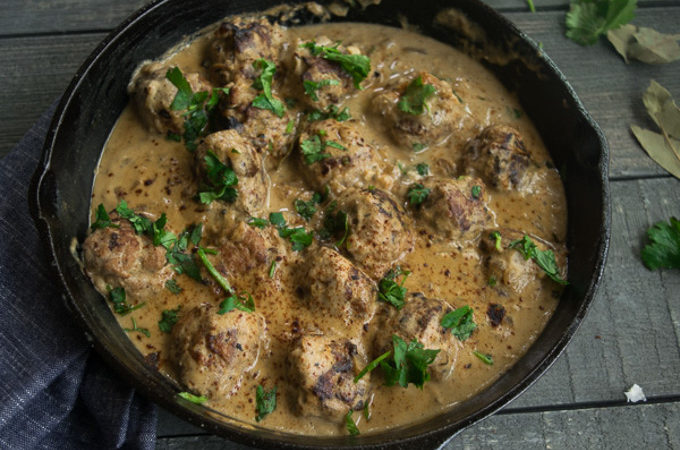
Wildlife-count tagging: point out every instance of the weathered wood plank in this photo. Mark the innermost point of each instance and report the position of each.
(640, 426)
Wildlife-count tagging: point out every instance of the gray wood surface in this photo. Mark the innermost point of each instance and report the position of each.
(632, 333)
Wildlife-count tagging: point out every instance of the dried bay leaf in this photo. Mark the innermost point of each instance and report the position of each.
(645, 44)
(659, 149)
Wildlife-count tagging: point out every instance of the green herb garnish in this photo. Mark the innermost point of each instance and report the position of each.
(221, 179)
(544, 259)
(265, 402)
(423, 169)
(357, 66)
(417, 146)
(476, 191)
(352, 428)
(417, 194)
(408, 364)
(224, 284)
(312, 150)
(588, 19)
(192, 398)
(119, 299)
(460, 322)
(311, 87)
(102, 219)
(372, 365)
(663, 251)
(264, 82)
(135, 328)
(486, 359)
(168, 319)
(272, 269)
(392, 292)
(257, 222)
(335, 223)
(332, 112)
(414, 99)
(172, 286)
(243, 302)
(496, 236)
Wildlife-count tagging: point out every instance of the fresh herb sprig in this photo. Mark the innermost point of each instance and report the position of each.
(357, 66)
(663, 251)
(391, 291)
(265, 402)
(460, 321)
(197, 399)
(102, 219)
(168, 319)
(136, 329)
(332, 112)
(587, 20)
(351, 426)
(243, 302)
(121, 306)
(264, 83)
(414, 99)
(221, 180)
(312, 87)
(544, 259)
(417, 194)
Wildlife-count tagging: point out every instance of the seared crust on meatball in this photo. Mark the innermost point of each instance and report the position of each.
(419, 319)
(237, 153)
(356, 163)
(153, 94)
(498, 156)
(334, 287)
(380, 231)
(118, 257)
(455, 209)
(212, 351)
(237, 44)
(442, 115)
(323, 369)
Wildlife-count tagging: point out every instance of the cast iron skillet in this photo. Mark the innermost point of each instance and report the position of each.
(63, 182)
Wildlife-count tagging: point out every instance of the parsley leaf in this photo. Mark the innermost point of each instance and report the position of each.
(544, 259)
(392, 292)
(276, 219)
(243, 302)
(312, 86)
(221, 179)
(332, 112)
(335, 223)
(476, 191)
(119, 300)
(352, 428)
(460, 321)
(357, 66)
(305, 209)
(257, 222)
(183, 263)
(417, 194)
(224, 284)
(192, 398)
(414, 99)
(184, 94)
(486, 359)
(168, 319)
(135, 328)
(664, 249)
(299, 237)
(372, 365)
(102, 219)
(312, 150)
(264, 83)
(141, 224)
(588, 19)
(172, 286)
(423, 169)
(272, 269)
(265, 402)
(496, 236)
(408, 364)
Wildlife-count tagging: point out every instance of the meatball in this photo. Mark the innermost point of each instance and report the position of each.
(505, 267)
(323, 370)
(212, 351)
(441, 114)
(238, 44)
(498, 156)
(118, 257)
(455, 209)
(420, 319)
(234, 152)
(335, 154)
(379, 229)
(334, 287)
(153, 94)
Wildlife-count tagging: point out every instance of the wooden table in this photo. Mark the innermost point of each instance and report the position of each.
(632, 334)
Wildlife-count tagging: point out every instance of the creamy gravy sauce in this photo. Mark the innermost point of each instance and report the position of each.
(151, 173)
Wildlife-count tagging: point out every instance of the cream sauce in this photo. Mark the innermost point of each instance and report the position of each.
(151, 173)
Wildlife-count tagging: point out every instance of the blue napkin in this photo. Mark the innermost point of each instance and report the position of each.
(55, 392)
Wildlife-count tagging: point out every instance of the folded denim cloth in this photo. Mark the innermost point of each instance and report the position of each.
(55, 391)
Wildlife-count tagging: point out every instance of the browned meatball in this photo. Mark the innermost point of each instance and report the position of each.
(153, 94)
(336, 154)
(323, 369)
(212, 351)
(334, 287)
(117, 257)
(455, 209)
(498, 156)
(506, 268)
(380, 232)
(235, 152)
(419, 319)
(237, 44)
(442, 113)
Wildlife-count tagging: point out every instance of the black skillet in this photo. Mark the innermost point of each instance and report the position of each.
(63, 182)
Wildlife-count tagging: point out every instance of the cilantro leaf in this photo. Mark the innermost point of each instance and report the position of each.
(243, 302)
(265, 402)
(417, 194)
(496, 236)
(476, 191)
(184, 94)
(408, 364)
(332, 112)
(168, 319)
(423, 169)
(414, 99)
(485, 358)
(141, 224)
(663, 251)
(335, 223)
(299, 237)
(357, 66)
(264, 83)
(102, 219)
(460, 321)
(312, 150)
(372, 365)
(223, 282)
(172, 286)
(272, 269)
(198, 399)
(311, 87)
(352, 428)
(135, 328)
(221, 179)
(588, 19)
(119, 299)
(392, 292)
(257, 222)
(544, 259)
(307, 209)
(276, 219)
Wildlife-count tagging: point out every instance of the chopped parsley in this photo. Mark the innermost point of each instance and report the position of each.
(496, 236)
(392, 292)
(307, 209)
(290, 126)
(414, 99)
(243, 302)
(417, 194)
(299, 237)
(135, 328)
(335, 223)
(332, 112)
(276, 219)
(192, 398)
(168, 319)
(172, 286)
(264, 83)
(588, 19)
(272, 269)
(476, 191)
(423, 169)
(257, 222)
(337, 145)
(140, 224)
(357, 66)
(544, 259)
(181, 262)
(311, 87)
(221, 181)
(119, 299)
(312, 149)
(372, 365)
(492, 281)
(460, 321)
(417, 146)
(486, 359)
(265, 402)
(663, 251)
(408, 364)
(223, 282)
(352, 428)
(102, 219)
